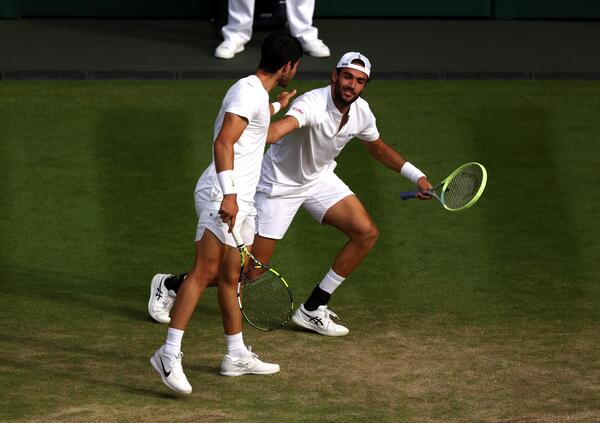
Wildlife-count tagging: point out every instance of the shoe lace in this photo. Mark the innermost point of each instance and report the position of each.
(252, 354)
(327, 317)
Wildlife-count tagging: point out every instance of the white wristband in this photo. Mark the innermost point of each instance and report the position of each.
(410, 172)
(227, 182)
(276, 106)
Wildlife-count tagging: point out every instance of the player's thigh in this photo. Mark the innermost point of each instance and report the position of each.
(207, 260)
(229, 272)
(275, 213)
(350, 216)
(328, 191)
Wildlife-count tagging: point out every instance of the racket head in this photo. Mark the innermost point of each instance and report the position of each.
(264, 297)
(463, 187)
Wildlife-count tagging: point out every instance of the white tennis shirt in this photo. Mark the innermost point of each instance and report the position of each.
(249, 99)
(300, 157)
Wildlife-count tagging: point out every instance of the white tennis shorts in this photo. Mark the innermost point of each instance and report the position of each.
(207, 210)
(277, 205)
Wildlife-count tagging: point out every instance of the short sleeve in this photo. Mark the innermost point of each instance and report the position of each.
(370, 131)
(301, 110)
(242, 102)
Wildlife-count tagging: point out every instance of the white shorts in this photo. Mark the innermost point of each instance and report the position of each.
(208, 218)
(277, 206)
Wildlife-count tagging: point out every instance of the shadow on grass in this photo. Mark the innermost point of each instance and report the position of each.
(69, 289)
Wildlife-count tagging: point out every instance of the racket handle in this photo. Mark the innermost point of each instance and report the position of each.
(408, 195)
(237, 237)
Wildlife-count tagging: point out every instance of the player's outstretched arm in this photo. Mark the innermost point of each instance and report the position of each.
(283, 99)
(281, 128)
(385, 154)
(390, 158)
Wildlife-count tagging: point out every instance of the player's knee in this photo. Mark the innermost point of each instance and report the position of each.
(204, 276)
(368, 236)
(371, 236)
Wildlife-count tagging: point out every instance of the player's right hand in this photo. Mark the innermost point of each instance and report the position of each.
(229, 210)
(284, 98)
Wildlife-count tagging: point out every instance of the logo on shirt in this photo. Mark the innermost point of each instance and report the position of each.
(352, 135)
(298, 110)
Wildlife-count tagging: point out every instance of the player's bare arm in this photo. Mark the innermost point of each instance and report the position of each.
(231, 131)
(283, 99)
(390, 158)
(281, 128)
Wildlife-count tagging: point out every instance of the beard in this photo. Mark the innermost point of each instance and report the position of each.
(344, 96)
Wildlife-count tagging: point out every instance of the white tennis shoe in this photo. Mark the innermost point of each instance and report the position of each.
(319, 321)
(161, 299)
(170, 370)
(227, 49)
(316, 48)
(249, 364)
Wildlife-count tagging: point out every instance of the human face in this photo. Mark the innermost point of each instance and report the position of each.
(348, 84)
(288, 74)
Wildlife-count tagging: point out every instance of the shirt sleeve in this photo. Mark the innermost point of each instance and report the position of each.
(370, 131)
(301, 110)
(242, 103)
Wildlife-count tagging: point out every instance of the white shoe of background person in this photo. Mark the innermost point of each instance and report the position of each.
(227, 49)
(170, 370)
(316, 48)
(319, 321)
(161, 299)
(249, 364)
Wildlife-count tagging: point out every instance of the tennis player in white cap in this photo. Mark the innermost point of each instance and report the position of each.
(299, 171)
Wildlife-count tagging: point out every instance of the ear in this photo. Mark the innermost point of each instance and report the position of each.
(334, 76)
(286, 68)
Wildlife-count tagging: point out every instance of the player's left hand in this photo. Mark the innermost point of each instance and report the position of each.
(284, 98)
(424, 187)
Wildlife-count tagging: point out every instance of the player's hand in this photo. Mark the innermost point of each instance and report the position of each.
(284, 98)
(229, 210)
(424, 187)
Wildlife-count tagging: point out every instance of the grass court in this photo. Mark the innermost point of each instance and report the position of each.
(488, 315)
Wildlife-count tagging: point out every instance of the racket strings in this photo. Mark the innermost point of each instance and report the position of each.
(463, 187)
(266, 301)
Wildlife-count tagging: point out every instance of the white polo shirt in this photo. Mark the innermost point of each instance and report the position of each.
(300, 157)
(249, 99)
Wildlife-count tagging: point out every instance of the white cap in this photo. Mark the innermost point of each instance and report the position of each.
(346, 62)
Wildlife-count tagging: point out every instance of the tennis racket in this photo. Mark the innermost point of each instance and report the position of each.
(264, 297)
(460, 190)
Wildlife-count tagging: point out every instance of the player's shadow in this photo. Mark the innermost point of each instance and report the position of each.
(68, 289)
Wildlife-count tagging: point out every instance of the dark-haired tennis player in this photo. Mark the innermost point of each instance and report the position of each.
(299, 171)
(224, 199)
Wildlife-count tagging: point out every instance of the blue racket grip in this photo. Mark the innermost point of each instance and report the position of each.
(408, 195)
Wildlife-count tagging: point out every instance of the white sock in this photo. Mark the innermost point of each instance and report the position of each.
(235, 345)
(173, 344)
(331, 281)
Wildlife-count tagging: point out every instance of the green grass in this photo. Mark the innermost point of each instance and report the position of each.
(487, 315)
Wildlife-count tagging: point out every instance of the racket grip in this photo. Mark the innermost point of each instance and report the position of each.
(237, 237)
(408, 195)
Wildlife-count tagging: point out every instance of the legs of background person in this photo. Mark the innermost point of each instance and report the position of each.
(300, 20)
(238, 30)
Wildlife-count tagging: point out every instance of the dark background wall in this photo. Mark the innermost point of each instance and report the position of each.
(494, 9)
